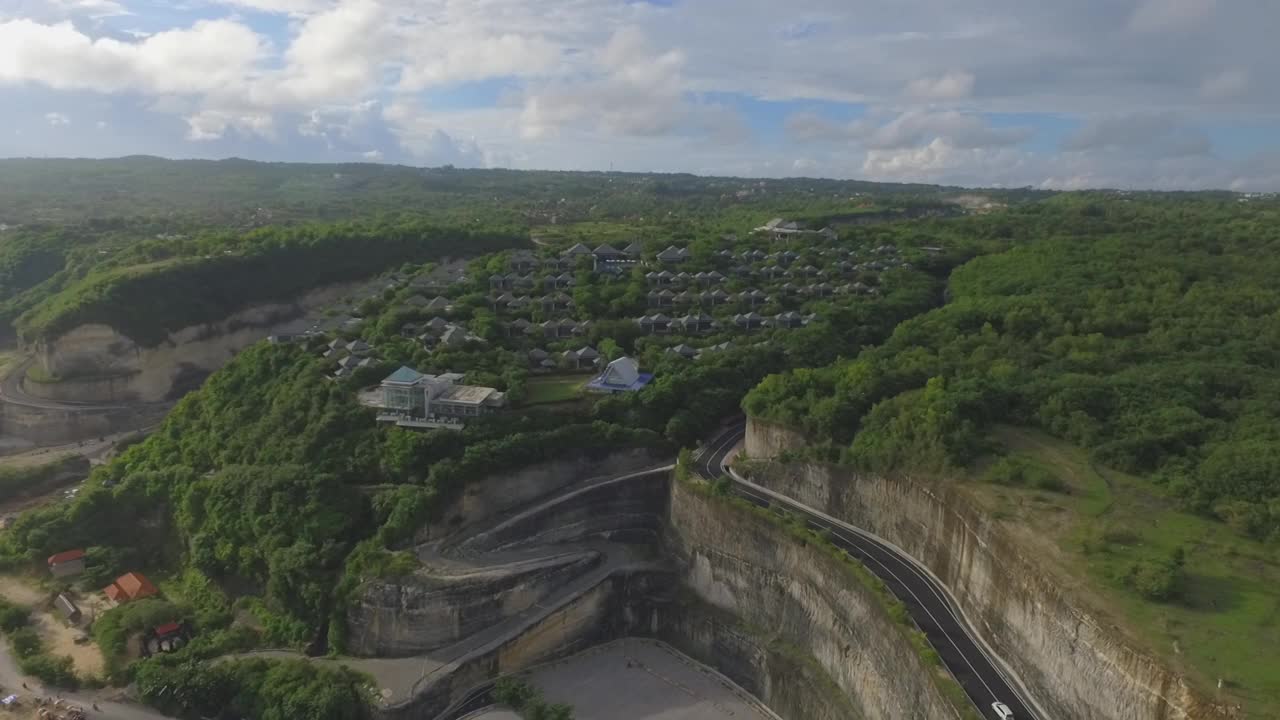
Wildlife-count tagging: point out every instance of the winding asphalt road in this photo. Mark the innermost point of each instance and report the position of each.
(11, 392)
(928, 602)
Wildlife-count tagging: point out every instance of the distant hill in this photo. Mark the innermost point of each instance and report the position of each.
(235, 190)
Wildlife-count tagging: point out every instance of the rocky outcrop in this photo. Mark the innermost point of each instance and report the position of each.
(96, 363)
(486, 577)
(1075, 665)
(806, 598)
(768, 440)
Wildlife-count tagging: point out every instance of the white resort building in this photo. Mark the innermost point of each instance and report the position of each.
(413, 399)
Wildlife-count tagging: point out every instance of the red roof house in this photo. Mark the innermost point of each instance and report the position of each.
(67, 563)
(129, 587)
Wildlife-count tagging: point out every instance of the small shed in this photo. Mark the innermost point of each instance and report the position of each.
(67, 607)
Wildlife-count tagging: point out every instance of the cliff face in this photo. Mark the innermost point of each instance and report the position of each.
(421, 613)
(622, 605)
(1075, 666)
(492, 575)
(491, 496)
(101, 365)
(804, 598)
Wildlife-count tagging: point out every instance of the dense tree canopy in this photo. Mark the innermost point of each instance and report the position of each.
(1146, 331)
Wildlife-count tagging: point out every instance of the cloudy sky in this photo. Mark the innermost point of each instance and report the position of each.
(1055, 93)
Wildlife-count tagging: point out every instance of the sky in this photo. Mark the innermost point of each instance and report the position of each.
(1135, 94)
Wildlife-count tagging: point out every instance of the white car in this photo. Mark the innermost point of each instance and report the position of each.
(1002, 711)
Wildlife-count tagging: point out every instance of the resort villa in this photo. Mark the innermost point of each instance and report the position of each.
(413, 399)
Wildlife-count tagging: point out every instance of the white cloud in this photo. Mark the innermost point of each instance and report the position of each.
(1225, 85)
(427, 139)
(57, 119)
(635, 91)
(441, 58)
(1168, 15)
(287, 7)
(211, 56)
(338, 122)
(952, 85)
(207, 125)
(336, 55)
(941, 161)
(1164, 134)
(910, 129)
(61, 9)
(372, 155)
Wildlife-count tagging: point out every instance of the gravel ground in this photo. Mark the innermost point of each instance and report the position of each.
(637, 679)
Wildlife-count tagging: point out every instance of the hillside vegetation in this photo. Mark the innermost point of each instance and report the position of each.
(149, 300)
(1147, 333)
(240, 192)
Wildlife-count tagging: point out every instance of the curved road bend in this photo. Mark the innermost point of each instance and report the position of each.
(927, 601)
(11, 392)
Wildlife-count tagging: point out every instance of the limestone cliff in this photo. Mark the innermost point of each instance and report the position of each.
(806, 598)
(487, 498)
(479, 578)
(1077, 666)
(95, 363)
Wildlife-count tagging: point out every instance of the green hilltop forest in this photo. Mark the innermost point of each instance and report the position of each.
(1148, 333)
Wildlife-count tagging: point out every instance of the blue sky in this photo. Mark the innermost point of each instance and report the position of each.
(1166, 94)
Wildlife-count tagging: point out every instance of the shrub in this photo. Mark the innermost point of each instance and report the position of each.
(1021, 471)
(26, 642)
(1158, 580)
(12, 617)
(527, 700)
(57, 671)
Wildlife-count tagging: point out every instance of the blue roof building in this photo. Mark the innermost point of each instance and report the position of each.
(621, 375)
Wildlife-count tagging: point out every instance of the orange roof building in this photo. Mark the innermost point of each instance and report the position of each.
(129, 587)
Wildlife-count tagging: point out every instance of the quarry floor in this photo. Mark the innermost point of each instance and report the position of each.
(638, 679)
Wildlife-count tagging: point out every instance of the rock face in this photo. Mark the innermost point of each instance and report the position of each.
(426, 612)
(1074, 665)
(620, 606)
(782, 676)
(805, 598)
(491, 496)
(98, 364)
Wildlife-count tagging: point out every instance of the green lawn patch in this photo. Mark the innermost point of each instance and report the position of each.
(554, 389)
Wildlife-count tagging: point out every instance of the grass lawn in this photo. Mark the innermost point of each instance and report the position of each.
(1224, 622)
(554, 389)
